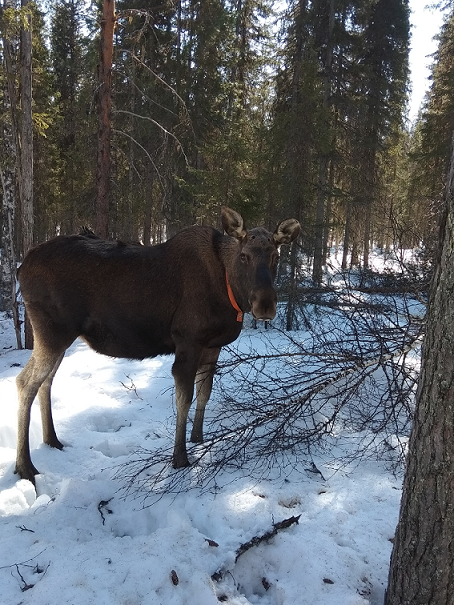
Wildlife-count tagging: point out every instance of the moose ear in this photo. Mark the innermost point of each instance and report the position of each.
(233, 223)
(286, 231)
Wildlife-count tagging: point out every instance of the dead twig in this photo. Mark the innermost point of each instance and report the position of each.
(23, 528)
(24, 562)
(132, 387)
(102, 506)
(255, 541)
(37, 569)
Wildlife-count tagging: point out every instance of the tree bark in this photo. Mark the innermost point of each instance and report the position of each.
(367, 231)
(8, 178)
(104, 120)
(292, 292)
(422, 570)
(26, 149)
(321, 214)
(8, 264)
(347, 234)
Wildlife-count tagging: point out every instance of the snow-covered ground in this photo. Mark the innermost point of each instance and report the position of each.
(78, 540)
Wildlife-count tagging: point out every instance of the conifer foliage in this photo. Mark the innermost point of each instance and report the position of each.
(212, 103)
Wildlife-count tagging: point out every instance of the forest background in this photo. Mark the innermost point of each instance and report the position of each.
(276, 109)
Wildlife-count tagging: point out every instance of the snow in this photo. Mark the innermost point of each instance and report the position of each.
(81, 539)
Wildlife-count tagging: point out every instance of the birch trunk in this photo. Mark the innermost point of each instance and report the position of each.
(8, 258)
(8, 176)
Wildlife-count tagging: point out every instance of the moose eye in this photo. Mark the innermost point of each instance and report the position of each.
(243, 257)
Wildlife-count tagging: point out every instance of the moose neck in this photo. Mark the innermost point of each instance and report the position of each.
(238, 297)
(239, 316)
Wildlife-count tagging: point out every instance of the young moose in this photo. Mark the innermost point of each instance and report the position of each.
(185, 296)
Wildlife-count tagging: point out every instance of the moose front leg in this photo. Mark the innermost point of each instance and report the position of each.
(203, 385)
(184, 370)
(49, 434)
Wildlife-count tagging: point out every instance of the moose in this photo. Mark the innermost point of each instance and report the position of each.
(185, 297)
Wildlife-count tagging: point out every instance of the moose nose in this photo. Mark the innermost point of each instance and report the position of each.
(263, 304)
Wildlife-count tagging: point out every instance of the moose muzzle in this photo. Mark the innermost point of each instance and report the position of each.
(263, 303)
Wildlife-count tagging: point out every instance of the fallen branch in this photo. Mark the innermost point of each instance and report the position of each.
(353, 376)
(255, 541)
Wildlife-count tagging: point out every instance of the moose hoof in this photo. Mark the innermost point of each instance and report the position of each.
(52, 441)
(55, 443)
(26, 472)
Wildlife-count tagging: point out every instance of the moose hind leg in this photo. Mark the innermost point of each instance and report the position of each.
(49, 434)
(29, 381)
(203, 384)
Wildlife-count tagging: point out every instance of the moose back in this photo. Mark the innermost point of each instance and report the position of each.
(185, 297)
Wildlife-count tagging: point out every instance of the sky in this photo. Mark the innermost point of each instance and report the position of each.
(426, 23)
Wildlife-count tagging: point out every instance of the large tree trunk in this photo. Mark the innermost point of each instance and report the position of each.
(422, 570)
(104, 128)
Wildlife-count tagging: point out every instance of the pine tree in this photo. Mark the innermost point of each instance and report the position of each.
(436, 122)
(384, 83)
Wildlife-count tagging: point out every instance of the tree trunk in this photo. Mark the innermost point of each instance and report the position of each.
(8, 265)
(367, 227)
(422, 571)
(368, 196)
(317, 269)
(104, 120)
(26, 149)
(327, 225)
(347, 229)
(321, 214)
(147, 233)
(9, 168)
(292, 292)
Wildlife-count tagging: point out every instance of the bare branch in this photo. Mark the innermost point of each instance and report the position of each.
(349, 376)
(136, 115)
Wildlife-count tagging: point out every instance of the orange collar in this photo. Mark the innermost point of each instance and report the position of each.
(239, 316)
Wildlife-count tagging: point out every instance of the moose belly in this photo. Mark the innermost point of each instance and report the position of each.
(126, 340)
